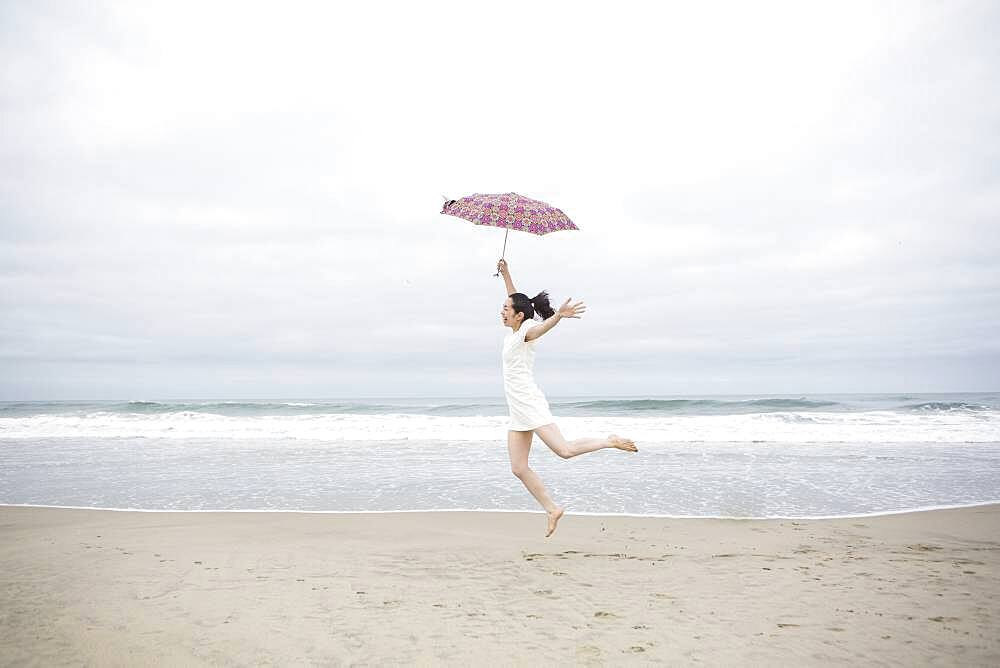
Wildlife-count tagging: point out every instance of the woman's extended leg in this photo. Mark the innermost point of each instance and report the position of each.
(553, 438)
(518, 445)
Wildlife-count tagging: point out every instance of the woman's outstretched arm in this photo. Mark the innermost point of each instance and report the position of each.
(502, 268)
(567, 310)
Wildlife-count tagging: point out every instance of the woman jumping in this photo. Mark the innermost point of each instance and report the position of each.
(529, 410)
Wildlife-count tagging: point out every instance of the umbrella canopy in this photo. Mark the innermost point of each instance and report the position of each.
(510, 210)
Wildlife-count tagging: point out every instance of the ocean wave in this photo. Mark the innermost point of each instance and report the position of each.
(250, 408)
(778, 427)
(236, 408)
(947, 406)
(979, 404)
(696, 406)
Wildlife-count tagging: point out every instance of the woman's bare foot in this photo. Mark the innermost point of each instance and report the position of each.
(622, 443)
(553, 520)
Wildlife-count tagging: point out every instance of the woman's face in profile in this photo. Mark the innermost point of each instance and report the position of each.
(507, 312)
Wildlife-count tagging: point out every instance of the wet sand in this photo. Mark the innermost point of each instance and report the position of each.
(115, 588)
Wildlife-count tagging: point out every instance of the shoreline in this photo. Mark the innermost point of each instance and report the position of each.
(880, 513)
(450, 588)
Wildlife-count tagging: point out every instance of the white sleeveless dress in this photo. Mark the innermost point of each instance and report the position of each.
(528, 406)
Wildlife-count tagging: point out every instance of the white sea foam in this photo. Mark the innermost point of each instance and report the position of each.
(775, 427)
(765, 457)
(732, 479)
(919, 509)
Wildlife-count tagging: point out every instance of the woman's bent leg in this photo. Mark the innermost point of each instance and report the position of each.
(518, 445)
(553, 438)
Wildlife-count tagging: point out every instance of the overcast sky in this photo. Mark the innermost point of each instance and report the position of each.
(217, 200)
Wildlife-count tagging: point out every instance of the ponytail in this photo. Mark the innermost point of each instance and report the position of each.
(541, 304)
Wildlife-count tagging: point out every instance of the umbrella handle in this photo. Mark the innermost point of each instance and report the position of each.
(504, 248)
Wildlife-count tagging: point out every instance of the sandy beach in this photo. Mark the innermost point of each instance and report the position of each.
(115, 588)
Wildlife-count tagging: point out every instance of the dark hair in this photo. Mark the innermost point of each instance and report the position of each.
(540, 303)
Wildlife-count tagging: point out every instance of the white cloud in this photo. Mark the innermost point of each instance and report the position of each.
(209, 198)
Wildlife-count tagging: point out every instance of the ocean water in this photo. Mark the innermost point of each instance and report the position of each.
(734, 456)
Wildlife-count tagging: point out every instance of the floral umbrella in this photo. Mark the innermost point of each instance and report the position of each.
(510, 211)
